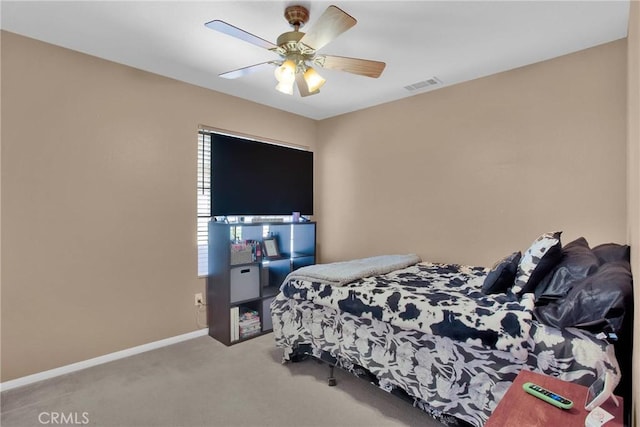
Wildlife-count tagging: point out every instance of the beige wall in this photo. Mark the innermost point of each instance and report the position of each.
(98, 201)
(633, 176)
(471, 172)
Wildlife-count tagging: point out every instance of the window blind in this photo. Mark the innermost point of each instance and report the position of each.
(204, 200)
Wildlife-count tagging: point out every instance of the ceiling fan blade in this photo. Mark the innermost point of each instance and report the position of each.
(241, 72)
(236, 32)
(302, 86)
(333, 22)
(363, 67)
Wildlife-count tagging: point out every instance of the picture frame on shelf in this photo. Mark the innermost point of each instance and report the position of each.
(270, 245)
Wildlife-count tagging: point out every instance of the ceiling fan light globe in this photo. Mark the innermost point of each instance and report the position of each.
(285, 87)
(286, 73)
(313, 79)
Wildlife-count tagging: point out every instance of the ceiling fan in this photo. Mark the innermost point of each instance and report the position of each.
(298, 50)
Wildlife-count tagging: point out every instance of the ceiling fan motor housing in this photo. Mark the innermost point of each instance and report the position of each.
(290, 38)
(289, 48)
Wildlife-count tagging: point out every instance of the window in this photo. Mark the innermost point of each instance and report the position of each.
(204, 200)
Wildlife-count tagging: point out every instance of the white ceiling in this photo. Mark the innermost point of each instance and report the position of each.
(454, 41)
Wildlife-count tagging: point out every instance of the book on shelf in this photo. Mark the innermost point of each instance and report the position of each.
(245, 322)
(245, 252)
(234, 315)
(244, 333)
(248, 323)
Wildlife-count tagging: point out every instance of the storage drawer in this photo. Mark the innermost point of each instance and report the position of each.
(244, 283)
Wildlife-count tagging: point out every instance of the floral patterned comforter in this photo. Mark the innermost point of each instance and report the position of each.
(445, 376)
(439, 299)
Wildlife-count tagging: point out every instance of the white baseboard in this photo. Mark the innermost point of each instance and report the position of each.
(29, 379)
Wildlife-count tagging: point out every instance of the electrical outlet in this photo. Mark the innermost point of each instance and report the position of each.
(199, 300)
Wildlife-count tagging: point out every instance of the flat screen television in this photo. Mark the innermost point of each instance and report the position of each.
(255, 178)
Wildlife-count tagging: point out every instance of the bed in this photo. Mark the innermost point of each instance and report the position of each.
(452, 338)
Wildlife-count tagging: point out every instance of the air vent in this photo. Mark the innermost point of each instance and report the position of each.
(432, 81)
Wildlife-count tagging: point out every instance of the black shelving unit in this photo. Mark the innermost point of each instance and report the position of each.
(247, 282)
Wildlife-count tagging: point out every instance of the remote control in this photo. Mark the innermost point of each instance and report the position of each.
(547, 396)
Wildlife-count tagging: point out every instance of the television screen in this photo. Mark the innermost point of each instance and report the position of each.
(255, 178)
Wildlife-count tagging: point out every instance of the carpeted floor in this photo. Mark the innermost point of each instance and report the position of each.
(201, 382)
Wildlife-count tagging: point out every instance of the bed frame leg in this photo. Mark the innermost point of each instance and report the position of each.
(331, 379)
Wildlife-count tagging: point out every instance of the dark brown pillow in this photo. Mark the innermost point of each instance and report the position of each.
(608, 252)
(596, 303)
(578, 261)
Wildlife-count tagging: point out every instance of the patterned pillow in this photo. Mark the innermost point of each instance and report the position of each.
(502, 274)
(543, 254)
